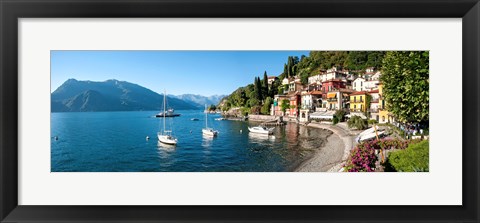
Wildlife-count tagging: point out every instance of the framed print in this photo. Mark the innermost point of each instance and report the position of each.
(239, 111)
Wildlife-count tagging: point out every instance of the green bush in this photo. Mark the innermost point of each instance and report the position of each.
(372, 121)
(413, 159)
(340, 115)
(335, 120)
(357, 122)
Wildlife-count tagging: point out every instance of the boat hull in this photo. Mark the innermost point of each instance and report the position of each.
(166, 139)
(209, 132)
(166, 115)
(261, 131)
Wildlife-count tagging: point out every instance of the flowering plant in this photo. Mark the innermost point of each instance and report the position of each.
(363, 157)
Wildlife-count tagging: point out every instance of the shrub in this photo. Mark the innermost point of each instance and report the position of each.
(362, 158)
(340, 114)
(413, 159)
(335, 120)
(357, 122)
(372, 121)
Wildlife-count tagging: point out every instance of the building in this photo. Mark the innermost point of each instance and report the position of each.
(384, 115)
(295, 86)
(358, 102)
(271, 79)
(277, 104)
(294, 98)
(338, 99)
(374, 102)
(329, 86)
(358, 84)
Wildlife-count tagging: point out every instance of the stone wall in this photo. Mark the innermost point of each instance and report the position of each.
(263, 118)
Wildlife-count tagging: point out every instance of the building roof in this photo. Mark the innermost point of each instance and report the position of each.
(333, 80)
(359, 93)
(270, 77)
(373, 91)
(316, 92)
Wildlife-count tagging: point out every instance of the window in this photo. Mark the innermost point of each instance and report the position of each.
(383, 118)
(361, 98)
(355, 99)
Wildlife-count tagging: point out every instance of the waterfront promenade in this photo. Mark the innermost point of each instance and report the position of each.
(332, 156)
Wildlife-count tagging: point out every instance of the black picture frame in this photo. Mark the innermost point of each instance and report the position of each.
(11, 11)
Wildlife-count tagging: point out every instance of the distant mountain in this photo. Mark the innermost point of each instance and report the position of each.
(110, 95)
(199, 100)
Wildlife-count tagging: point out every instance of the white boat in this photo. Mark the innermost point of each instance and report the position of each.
(166, 136)
(194, 119)
(369, 134)
(220, 119)
(261, 130)
(170, 113)
(208, 131)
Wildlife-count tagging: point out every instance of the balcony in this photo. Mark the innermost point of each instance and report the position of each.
(356, 101)
(332, 99)
(356, 110)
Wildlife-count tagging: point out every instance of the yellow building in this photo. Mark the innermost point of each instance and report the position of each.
(385, 115)
(358, 101)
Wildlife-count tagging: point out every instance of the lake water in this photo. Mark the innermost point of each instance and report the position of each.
(116, 142)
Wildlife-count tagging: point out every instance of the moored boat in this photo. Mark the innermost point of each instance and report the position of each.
(208, 131)
(166, 136)
(261, 130)
(170, 113)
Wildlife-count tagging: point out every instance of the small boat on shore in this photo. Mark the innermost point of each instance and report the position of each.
(261, 130)
(369, 134)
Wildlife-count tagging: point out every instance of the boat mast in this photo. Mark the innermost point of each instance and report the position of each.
(206, 118)
(164, 106)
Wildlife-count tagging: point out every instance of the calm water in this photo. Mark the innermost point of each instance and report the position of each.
(116, 141)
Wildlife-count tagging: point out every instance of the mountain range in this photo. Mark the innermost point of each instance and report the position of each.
(199, 100)
(115, 95)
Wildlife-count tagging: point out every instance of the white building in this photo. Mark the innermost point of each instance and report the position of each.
(358, 84)
(271, 79)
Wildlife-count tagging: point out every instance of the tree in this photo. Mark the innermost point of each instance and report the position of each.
(212, 108)
(285, 105)
(266, 106)
(258, 89)
(405, 78)
(265, 85)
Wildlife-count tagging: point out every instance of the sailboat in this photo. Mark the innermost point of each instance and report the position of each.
(166, 136)
(208, 131)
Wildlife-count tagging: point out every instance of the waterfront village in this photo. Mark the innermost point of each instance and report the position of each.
(353, 106)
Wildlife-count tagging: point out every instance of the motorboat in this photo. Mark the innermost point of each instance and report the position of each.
(169, 113)
(261, 130)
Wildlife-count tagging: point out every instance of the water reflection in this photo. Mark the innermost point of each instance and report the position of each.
(207, 141)
(260, 138)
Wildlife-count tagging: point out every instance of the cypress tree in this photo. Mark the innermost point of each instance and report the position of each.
(265, 84)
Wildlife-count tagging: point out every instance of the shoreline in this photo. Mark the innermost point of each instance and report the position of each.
(332, 155)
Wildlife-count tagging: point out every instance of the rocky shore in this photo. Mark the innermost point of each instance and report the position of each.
(332, 156)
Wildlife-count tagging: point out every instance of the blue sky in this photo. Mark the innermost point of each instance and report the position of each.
(178, 72)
